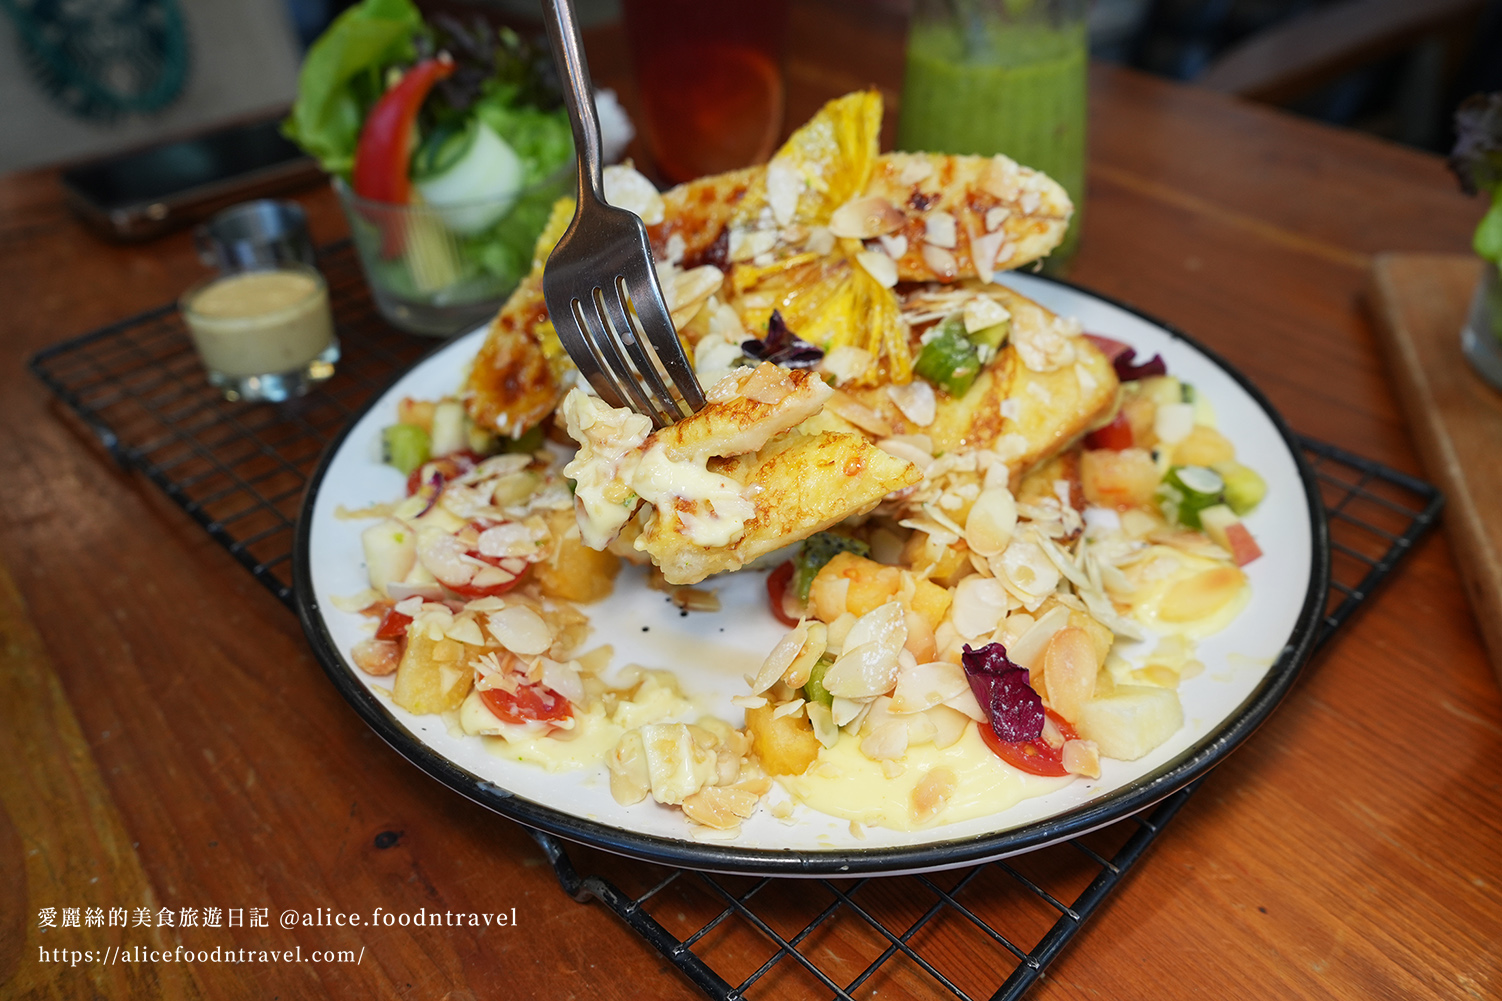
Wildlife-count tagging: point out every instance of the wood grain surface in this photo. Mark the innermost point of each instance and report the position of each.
(169, 735)
(1421, 303)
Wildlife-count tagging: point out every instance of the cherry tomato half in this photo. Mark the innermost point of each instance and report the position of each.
(1115, 436)
(393, 625)
(1032, 756)
(530, 703)
(777, 589)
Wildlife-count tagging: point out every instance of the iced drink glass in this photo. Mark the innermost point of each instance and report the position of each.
(710, 77)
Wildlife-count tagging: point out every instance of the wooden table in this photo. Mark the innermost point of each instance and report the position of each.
(170, 742)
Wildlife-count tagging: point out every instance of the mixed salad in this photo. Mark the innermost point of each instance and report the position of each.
(463, 118)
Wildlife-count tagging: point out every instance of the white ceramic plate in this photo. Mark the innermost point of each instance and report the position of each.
(1249, 666)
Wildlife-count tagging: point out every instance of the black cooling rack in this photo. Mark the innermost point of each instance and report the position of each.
(988, 931)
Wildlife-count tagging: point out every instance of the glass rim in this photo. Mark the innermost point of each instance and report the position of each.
(320, 288)
(349, 197)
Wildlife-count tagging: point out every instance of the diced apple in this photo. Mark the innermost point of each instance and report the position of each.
(1227, 531)
(390, 552)
(1121, 479)
(1131, 720)
(450, 432)
(434, 675)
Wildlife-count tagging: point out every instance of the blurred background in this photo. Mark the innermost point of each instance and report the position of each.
(80, 78)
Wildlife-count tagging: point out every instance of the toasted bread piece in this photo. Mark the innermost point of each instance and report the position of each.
(729, 483)
(1045, 388)
(800, 484)
(511, 385)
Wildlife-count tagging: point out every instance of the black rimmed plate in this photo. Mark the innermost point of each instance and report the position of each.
(1249, 666)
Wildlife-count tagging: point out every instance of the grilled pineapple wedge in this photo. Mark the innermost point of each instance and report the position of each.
(729, 484)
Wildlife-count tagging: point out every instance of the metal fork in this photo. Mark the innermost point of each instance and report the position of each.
(600, 277)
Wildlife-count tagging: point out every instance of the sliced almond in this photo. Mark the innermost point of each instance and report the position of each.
(866, 218)
(883, 270)
(940, 230)
(940, 261)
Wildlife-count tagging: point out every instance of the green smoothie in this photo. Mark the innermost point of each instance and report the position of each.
(983, 86)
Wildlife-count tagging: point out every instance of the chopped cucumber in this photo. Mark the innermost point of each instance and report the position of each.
(450, 428)
(993, 336)
(1186, 393)
(1162, 389)
(1188, 490)
(813, 689)
(949, 359)
(1244, 487)
(480, 182)
(405, 446)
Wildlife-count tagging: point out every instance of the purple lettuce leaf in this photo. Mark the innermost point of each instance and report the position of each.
(1002, 689)
(782, 346)
(1129, 370)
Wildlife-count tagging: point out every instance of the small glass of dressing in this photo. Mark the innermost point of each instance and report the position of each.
(264, 334)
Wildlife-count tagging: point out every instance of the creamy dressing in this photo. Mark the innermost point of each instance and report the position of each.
(260, 322)
(845, 783)
(720, 506)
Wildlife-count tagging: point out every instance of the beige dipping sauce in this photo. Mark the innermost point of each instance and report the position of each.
(260, 322)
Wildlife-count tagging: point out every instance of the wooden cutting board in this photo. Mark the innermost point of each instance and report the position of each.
(1421, 302)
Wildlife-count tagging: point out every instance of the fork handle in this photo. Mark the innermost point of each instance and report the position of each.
(578, 94)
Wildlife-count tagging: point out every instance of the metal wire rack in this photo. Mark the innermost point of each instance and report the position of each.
(239, 471)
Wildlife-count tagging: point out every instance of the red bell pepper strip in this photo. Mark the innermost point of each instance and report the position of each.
(385, 146)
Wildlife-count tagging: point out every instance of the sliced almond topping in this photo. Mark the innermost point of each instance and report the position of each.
(940, 261)
(882, 268)
(940, 230)
(865, 218)
(859, 414)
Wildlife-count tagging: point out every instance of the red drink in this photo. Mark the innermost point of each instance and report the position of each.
(710, 77)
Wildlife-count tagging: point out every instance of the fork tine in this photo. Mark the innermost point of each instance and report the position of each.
(602, 338)
(617, 307)
(579, 347)
(657, 326)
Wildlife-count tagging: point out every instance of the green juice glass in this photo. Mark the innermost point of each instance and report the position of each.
(1001, 76)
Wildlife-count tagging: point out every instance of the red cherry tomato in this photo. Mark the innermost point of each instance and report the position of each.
(530, 703)
(1115, 436)
(1032, 756)
(393, 625)
(777, 589)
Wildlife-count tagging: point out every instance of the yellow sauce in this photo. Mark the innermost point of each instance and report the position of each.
(845, 783)
(1156, 575)
(260, 322)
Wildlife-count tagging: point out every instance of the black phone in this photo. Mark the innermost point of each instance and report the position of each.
(148, 191)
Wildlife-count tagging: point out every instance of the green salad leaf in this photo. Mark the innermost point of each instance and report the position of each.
(344, 74)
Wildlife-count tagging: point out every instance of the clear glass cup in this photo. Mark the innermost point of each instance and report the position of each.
(263, 334)
(441, 271)
(1481, 339)
(710, 79)
(1001, 76)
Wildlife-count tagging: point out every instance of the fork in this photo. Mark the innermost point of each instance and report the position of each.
(600, 277)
